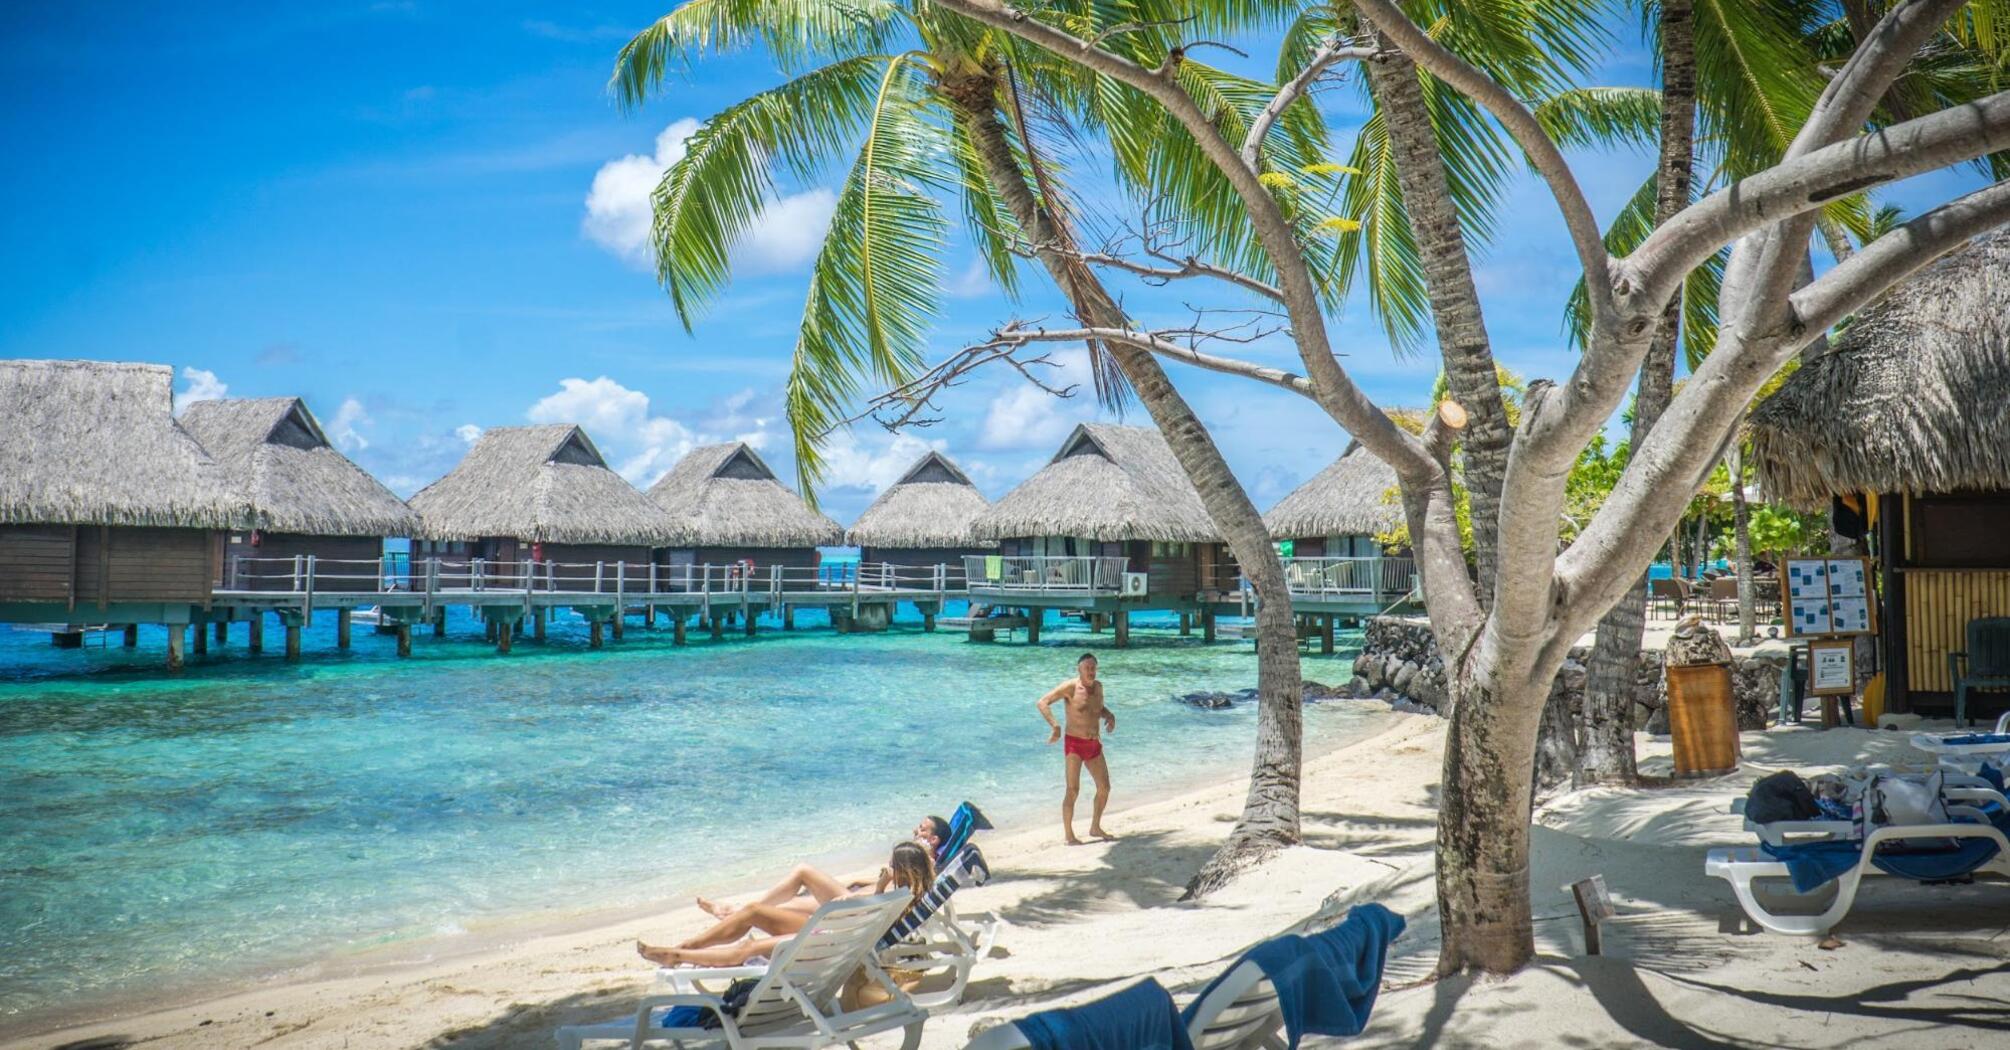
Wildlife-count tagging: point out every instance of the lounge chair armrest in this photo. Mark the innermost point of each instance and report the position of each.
(1777, 833)
(689, 976)
(1975, 794)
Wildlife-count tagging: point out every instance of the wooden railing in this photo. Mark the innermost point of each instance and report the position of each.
(1041, 574)
(306, 574)
(1377, 578)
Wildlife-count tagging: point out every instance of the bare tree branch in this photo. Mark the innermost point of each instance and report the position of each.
(1849, 99)
(1891, 258)
(1164, 344)
(1332, 52)
(907, 405)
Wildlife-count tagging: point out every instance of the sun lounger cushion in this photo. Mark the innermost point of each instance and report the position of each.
(1140, 1017)
(968, 869)
(1326, 982)
(1812, 865)
(965, 822)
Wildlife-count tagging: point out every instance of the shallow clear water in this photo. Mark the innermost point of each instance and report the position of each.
(250, 815)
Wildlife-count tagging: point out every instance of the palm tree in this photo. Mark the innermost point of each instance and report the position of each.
(953, 115)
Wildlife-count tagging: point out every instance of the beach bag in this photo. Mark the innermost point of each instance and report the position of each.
(861, 991)
(1782, 796)
(1892, 801)
(735, 998)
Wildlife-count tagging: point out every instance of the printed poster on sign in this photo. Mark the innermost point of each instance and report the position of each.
(1827, 596)
(1808, 596)
(1846, 579)
(1831, 668)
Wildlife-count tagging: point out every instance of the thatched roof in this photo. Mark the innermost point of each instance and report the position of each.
(1349, 497)
(273, 449)
(932, 505)
(1914, 396)
(1107, 483)
(725, 496)
(96, 443)
(540, 484)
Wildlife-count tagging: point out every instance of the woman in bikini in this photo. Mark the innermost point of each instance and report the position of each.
(806, 888)
(730, 942)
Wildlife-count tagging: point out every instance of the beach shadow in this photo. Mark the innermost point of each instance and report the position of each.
(1884, 1002)
(101, 1042)
(532, 1024)
(1140, 870)
(1627, 1000)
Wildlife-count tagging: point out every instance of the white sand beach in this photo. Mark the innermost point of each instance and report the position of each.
(1919, 967)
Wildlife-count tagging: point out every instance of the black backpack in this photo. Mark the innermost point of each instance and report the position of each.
(1782, 796)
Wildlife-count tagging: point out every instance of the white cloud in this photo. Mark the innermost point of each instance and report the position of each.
(203, 385)
(342, 430)
(871, 465)
(1025, 416)
(619, 211)
(640, 445)
(974, 282)
(468, 433)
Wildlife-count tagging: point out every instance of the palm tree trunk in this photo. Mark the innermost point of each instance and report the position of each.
(1270, 812)
(1607, 755)
(1470, 372)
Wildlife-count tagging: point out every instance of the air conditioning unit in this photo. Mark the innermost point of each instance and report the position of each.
(1135, 584)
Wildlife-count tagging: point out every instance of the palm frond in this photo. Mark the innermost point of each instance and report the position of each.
(1601, 116)
(794, 33)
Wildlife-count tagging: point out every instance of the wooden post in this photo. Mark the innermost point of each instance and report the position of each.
(222, 632)
(1095, 623)
(342, 619)
(1033, 617)
(620, 615)
(257, 641)
(748, 611)
(505, 633)
(1185, 624)
(927, 621)
(718, 622)
(177, 635)
(67, 639)
(1121, 619)
(1326, 634)
(440, 624)
(489, 630)
(293, 641)
(788, 617)
(677, 627)
(200, 639)
(593, 638)
(538, 619)
(133, 634)
(649, 615)
(404, 639)
(1207, 625)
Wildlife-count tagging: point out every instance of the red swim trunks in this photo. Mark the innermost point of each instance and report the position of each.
(1087, 748)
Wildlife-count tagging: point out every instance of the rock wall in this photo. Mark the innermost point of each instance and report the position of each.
(1399, 663)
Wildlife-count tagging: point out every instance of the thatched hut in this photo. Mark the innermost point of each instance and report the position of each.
(540, 496)
(1113, 501)
(1339, 512)
(106, 503)
(733, 512)
(307, 499)
(1906, 417)
(924, 519)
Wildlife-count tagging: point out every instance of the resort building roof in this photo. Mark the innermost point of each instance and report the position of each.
(725, 496)
(933, 505)
(1349, 497)
(96, 443)
(542, 484)
(1911, 398)
(274, 450)
(1106, 483)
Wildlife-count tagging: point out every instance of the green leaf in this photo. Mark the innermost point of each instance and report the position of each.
(794, 32)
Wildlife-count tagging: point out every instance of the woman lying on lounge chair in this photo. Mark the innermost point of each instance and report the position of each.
(806, 889)
(728, 942)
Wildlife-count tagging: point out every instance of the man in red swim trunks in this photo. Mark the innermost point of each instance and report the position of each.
(1088, 719)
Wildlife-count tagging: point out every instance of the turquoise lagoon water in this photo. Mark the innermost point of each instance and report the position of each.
(168, 833)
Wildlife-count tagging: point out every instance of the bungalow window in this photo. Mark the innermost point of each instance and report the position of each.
(1168, 550)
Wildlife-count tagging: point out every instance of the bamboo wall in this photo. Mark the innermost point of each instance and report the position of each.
(1938, 605)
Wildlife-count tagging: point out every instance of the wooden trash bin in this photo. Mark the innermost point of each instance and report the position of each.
(1702, 719)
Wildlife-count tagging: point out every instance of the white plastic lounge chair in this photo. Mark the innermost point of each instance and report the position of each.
(1241, 1013)
(1742, 866)
(927, 938)
(794, 1005)
(1967, 757)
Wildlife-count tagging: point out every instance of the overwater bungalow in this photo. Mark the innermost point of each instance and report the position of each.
(1109, 526)
(1332, 522)
(110, 513)
(923, 520)
(736, 517)
(537, 507)
(1904, 422)
(308, 500)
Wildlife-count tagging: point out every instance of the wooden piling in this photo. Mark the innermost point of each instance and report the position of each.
(620, 627)
(593, 640)
(200, 638)
(222, 632)
(67, 639)
(928, 621)
(648, 617)
(133, 634)
(257, 641)
(1121, 621)
(718, 624)
(177, 635)
(1033, 617)
(538, 618)
(505, 635)
(1207, 625)
(1326, 634)
(1185, 624)
(293, 641)
(750, 623)
(788, 617)
(404, 639)
(677, 628)
(342, 621)
(440, 624)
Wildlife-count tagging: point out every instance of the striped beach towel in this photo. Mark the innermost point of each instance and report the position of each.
(967, 868)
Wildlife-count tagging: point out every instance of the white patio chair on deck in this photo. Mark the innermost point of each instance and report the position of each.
(794, 1004)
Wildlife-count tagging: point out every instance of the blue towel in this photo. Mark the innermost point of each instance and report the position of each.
(1813, 865)
(1998, 739)
(1140, 1017)
(1993, 775)
(1326, 982)
(965, 822)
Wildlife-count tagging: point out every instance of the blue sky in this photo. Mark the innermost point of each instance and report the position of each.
(426, 219)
